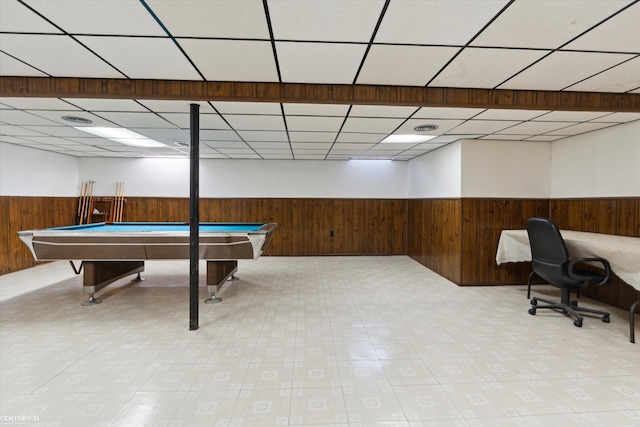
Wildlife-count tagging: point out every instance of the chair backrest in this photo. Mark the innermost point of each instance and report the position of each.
(549, 254)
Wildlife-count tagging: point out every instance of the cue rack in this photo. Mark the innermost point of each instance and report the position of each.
(87, 209)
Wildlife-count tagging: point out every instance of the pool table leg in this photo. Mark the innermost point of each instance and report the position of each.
(218, 272)
(99, 274)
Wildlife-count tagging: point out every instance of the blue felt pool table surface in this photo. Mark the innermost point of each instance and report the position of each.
(135, 227)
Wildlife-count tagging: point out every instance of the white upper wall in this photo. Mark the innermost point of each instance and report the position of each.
(29, 172)
(495, 168)
(249, 178)
(436, 174)
(603, 163)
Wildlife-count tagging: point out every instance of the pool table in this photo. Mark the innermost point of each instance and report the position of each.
(110, 251)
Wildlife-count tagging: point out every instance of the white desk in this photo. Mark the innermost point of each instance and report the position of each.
(623, 253)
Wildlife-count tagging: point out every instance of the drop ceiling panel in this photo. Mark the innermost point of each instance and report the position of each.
(485, 68)
(232, 60)
(255, 122)
(570, 116)
(483, 126)
(269, 108)
(99, 17)
(218, 135)
(19, 117)
(371, 125)
(495, 114)
(58, 56)
(620, 78)
(263, 135)
(219, 18)
(312, 136)
(451, 138)
(135, 120)
(315, 109)
(16, 17)
(12, 67)
(319, 62)
(403, 65)
(446, 113)
(562, 69)
(579, 128)
(38, 103)
(314, 123)
(545, 24)
(11, 130)
(618, 34)
(429, 22)
(143, 58)
(360, 138)
(161, 106)
(618, 118)
(207, 121)
(443, 126)
(352, 21)
(92, 104)
(381, 111)
(534, 128)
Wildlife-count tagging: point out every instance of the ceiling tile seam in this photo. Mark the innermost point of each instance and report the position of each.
(232, 128)
(267, 16)
(286, 128)
(65, 33)
(346, 116)
(25, 63)
(173, 39)
(373, 36)
(600, 72)
(565, 44)
(505, 7)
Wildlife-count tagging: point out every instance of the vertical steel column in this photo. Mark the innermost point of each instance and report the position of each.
(194, 216)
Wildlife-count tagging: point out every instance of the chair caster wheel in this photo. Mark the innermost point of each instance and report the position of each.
(532, 311)
(578, 323)
(534, 301)
(606, 319)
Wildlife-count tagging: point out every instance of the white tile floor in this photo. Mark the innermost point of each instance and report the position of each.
(313, 341)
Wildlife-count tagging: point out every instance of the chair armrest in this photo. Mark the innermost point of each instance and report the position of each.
(576, 276)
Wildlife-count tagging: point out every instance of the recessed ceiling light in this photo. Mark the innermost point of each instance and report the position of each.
(74, 119)
(425, 128)
(122, 135)
(407, 139)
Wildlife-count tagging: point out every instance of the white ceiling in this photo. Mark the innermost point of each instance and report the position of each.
(563, 45)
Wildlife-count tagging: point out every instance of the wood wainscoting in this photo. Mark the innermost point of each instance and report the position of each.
(305, 226)
(458, 238)
(609, 216)
(26, 213)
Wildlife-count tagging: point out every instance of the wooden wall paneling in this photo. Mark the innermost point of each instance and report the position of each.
(485, 236)
(342, 225)
(17, 248)
(607, 216)
(628, 220)
(559, 213)
(512, 271)
(590, 218)
(575, 215)
(499, 221)
(469, 237)
(357, 243)
(399, 227)
(5, 241)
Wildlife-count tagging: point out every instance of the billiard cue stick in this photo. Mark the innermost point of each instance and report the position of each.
(80, 196)
(118, 206)
(83, 202)
(114, 204)
(121, 201)
(87, 213)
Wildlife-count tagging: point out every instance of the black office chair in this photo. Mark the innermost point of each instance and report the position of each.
(550, 260)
